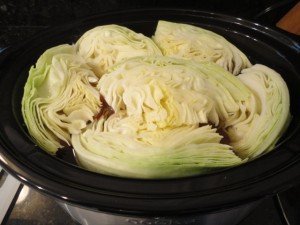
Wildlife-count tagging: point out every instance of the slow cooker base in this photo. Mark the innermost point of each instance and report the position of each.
(231, 216)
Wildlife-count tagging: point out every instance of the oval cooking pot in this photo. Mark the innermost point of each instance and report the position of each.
(269, 174)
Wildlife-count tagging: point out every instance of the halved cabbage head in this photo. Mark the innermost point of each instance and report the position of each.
(104, 46)
(154, 116)
(263, 121)
(159, 129)
(164, 153)
(172, 92)
(59, 97)
(191, 42)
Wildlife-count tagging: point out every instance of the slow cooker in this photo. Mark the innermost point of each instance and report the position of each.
(221, 198)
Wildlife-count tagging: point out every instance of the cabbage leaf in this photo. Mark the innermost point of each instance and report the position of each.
(190, 42)
(131, 108)
(103, 46)
(59, 97)
(263, 120)
(159, 129)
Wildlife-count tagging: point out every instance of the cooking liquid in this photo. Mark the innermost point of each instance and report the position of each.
(225, 140)
(105, 111)
(67, 152)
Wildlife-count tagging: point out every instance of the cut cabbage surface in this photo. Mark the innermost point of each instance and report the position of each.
(164, 153)
(186, 41)
(166, 92)
(158, 104)
(106, 45)
(129, 111)
(264, 121)
(59, 97)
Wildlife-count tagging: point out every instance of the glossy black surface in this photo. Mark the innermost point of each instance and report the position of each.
(265, 176)
(289, 202)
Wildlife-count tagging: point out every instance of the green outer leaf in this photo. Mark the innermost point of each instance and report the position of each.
(129, 157)
(37, 76)
(58, 98)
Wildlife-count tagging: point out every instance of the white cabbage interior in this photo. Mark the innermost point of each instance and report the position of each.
(190, 42)
(163, 110)
(268, 117)
(59, 99)
(104, 46)
(159, 103)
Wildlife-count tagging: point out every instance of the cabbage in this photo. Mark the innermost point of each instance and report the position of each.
(59, 98)
(172, 92)
(265, 118)
(161, 106)
(129, 111)
(167, 153)
(190, 42)
(104, 46)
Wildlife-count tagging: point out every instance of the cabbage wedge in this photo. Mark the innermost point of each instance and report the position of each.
(191, 42)
(104, 46)
(167, 153)
(131, 108)
(59, 97)
(173, 92)
(159, 129)
(265, 118)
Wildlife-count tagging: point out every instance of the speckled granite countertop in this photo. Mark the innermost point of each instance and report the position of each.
(33, 208)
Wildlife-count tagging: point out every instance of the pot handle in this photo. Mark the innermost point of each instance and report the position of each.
(283, 22)
(9, 187)
(270, 9)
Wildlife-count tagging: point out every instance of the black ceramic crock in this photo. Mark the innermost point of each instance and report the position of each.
(227, 189)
